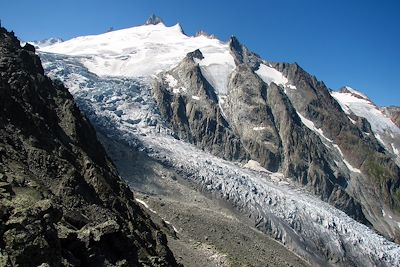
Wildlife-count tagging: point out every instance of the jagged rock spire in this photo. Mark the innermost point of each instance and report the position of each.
(153, 20)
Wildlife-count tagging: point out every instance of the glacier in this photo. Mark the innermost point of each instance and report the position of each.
(110, 77)
(123, 108)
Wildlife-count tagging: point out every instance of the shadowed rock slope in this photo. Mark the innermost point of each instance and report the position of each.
(62, 202)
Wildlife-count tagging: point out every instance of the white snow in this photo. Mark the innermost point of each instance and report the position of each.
(379, 138)
(217, 67)
(364, 108)
(312, 127)
(352, 121)
(173, 227)
(145, 205)
(383, 127)
(125, 110)
(195, 97)
(259, 128)
(338, 148)
(221, 102)
(349, 166)
(270, 74)
(395, 150)
(383, 213)
(172, 82)
(146, 50)
(353, 91)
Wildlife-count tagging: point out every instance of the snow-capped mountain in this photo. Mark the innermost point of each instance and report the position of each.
(384, 129)
(207, 107)
(147, 50)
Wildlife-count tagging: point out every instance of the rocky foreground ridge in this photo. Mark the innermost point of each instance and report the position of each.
(62, 202)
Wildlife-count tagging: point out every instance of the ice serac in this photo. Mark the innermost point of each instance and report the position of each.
(62, 202)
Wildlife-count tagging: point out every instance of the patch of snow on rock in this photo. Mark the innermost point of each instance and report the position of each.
(145, 205)
(259, 128)
(270, 74)
(172, 82)
(312, 127)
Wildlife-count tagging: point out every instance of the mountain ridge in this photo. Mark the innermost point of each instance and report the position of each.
(62, 202)
(232, 103)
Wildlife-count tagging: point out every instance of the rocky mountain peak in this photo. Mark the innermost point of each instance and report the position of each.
(206, 34)
(153, 20)
(195, 54)
(234, 43)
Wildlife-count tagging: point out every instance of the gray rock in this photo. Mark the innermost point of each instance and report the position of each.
(62, 202)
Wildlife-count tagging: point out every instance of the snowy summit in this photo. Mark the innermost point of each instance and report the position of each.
(147, 50)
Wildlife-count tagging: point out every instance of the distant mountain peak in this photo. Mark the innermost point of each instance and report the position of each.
(153, 20)
(46, 42)
(205, 34)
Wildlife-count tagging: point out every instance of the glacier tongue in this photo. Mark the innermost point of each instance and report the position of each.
(124, 109)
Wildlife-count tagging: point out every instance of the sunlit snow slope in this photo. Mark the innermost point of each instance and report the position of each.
(146, 50)
(386, 132)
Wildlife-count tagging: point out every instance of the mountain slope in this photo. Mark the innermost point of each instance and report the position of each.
(62, 202)
(384, 129)
(152, 85)
(393, 113)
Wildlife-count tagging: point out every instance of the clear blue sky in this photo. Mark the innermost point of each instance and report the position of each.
(355, 43)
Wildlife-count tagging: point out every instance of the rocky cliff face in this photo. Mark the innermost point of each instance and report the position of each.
(287, 120)
(373, 172)
(62, 202)
(393, 113)
(192, 110)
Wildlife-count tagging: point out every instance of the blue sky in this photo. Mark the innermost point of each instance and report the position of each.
(355, 43)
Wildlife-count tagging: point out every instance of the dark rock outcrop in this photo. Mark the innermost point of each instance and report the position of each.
(153, 20)
(62, 202)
